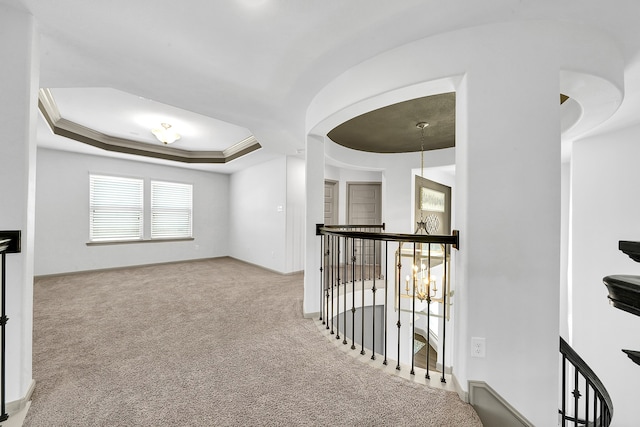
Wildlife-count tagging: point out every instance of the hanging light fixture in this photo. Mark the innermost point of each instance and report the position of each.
(421, 227)
(165, 134)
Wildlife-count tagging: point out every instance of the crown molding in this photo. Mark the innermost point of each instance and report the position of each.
(77, 132)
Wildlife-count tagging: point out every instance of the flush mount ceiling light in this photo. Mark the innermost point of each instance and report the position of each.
(165, 134)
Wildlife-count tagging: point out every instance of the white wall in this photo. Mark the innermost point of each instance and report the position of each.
(62, 215)
(257, 207)
(18, 112)
(606, 209)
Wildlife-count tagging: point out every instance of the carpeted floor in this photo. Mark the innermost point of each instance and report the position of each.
(206, 343)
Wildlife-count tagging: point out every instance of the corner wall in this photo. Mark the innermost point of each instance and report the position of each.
(257, 208)
(606, 209)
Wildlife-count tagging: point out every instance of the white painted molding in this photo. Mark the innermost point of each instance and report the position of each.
(19, 405)
(63, 127)
(492, 409)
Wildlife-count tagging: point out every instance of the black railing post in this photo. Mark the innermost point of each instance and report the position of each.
(413, 312)
(344, 293)
(322, 281)
(3, 321)
(10, 242)
(564, 390)
(386, 296)
(333, 280)
(445, 291)
(373, 305)
(426, 375)
(399, 301)
(576, 395)
(362, 277)
(338, 290)
(353, 295)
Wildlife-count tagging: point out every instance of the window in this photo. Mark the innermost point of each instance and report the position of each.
(171, 210)
(116, 208)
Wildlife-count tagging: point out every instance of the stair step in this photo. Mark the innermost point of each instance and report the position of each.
(633, 355)
(630, 248)
(624, 292)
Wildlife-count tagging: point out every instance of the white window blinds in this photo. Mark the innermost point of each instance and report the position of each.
(115, 208)
(171, 210)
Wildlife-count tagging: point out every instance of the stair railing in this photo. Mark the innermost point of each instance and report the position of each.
(355, 266)
(4, 246)
(578, 381)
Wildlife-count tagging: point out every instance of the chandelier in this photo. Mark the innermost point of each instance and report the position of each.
(426, 285)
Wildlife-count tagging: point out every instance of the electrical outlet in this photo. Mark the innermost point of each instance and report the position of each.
(477, 347)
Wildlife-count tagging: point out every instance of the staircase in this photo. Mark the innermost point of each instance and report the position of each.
(624, 290)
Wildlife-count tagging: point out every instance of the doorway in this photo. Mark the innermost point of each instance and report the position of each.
(364, 207)
(330, 202)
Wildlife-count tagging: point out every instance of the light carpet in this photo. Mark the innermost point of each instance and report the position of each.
(206, 343)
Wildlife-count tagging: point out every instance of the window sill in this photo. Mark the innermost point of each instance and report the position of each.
(123, 242)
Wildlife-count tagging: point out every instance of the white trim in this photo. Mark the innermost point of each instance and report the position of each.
(498, 406)
(20, 404)
(61, 126)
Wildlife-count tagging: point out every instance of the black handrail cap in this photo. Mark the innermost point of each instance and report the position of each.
(624, 292)
(630, 248)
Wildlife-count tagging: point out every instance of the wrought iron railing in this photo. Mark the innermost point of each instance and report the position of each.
(358, 261)
(4, 247)
(578, 381)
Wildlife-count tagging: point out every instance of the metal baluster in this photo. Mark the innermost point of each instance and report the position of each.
(333, 279)
(386, 301)
(353, 294)
(595, 410)
(338, 291)
(413, 312)
(345, 281)
(373, 306)
(564, 390)
(576, 396)
(328, 278)
(429, 309)
(362, 294)
(445, 291)
(399, 302)
(322, 261)
(3, 322)
(586, 402)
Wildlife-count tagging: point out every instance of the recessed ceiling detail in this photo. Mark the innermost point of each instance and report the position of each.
(392, 129)
(62, 126)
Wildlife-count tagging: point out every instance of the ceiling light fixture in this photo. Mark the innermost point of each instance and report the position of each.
(422, 223)
(165, 135)
(421, 126)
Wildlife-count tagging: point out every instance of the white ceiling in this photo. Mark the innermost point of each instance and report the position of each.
(133, 117)
(257, 64)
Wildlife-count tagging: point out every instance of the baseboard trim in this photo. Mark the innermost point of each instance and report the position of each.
(492, 409)
(312, 315)
(20, 404)
(124, 267)
(462, 393)
(267, 268)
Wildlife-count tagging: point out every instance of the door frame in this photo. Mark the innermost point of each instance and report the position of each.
(336, 199)
(348, 198)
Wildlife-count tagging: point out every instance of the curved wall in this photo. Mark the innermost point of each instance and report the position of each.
(508, 78)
